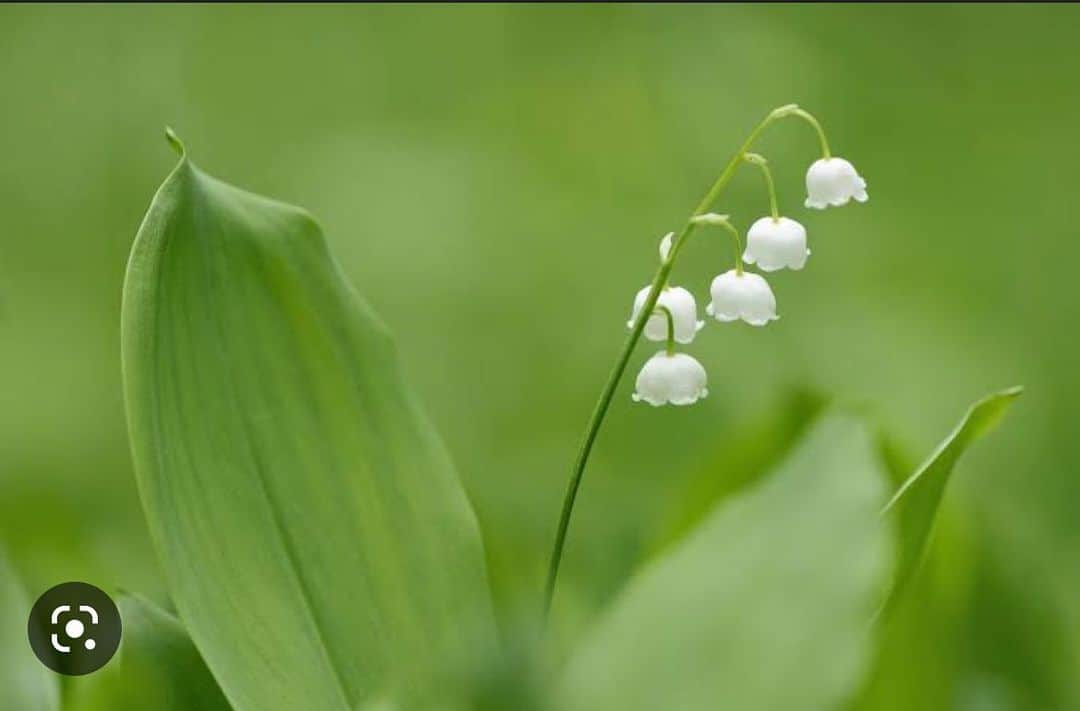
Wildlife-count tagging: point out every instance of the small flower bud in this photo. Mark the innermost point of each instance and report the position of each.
(833, 181)
(683, 308)
(665, 246)
(675, 378)
(776, 243)
(743, 296)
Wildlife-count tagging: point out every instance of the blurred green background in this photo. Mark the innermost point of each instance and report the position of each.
(495, 180)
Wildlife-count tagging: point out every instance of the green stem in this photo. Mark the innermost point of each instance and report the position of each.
(737, 242)
(760, 161)
(809, 118)
(670, 346)
(711, 218)
(597, 418)
(608, 392)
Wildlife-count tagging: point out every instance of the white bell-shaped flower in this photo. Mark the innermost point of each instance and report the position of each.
(683, 308)
(833, 181)
(675, 378)
(776, 243)
(743, 296)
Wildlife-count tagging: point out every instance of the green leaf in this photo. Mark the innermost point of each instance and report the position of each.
(24, 683)
(317, 541)
(916, 502)
(766, 605)
(739, 457)
(157, 667)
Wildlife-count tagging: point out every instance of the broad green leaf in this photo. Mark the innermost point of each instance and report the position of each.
(916, 502)
(766, 605)
(740, 457)
(317, 541)
(157, 667)
(24, 683)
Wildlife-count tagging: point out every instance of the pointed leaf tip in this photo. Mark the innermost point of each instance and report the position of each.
(175, 142)
(915, 504)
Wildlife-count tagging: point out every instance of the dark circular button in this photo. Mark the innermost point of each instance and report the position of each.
(74, 628)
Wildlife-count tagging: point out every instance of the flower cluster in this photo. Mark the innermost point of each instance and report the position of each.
(773, 243)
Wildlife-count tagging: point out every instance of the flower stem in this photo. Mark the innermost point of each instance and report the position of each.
(737, 243)
(711, 218)
(670, 345)
(760, 161)
(621, 361)
(597, 418)
(809, 118)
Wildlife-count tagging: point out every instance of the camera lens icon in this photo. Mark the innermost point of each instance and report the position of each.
(74, 628)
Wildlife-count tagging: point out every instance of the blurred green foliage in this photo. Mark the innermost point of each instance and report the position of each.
(157, 667)
(494, 180)
(787, 573)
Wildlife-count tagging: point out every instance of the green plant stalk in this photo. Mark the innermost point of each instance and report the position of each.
(669, 346)
(774, 207)
(612, 384)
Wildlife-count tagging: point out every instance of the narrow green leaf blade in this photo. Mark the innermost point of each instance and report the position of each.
(24, 683)
(916, 502)
(157, 667)
(319, 546)
(766, 605)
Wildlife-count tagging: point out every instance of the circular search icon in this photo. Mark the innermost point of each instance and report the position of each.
(74, 628)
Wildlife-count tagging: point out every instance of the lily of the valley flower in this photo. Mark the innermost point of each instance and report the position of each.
(675, 378)
(772, 243)
(833, 181)
(683, 308)
(742, 295)
(776, 243)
